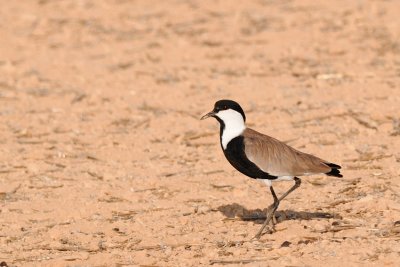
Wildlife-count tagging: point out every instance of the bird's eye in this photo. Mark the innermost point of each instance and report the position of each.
(225, 107)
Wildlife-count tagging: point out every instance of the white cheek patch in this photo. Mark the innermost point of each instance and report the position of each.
(234, 125)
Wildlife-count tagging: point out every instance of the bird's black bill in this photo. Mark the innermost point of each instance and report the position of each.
(209, 114)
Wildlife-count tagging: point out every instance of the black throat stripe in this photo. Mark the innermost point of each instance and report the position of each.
(236, 156)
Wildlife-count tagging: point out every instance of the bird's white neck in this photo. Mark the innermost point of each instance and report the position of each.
(234, 125)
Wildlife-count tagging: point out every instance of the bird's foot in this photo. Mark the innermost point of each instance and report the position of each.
(268, 230)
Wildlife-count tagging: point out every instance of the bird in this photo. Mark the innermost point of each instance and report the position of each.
(263, 157)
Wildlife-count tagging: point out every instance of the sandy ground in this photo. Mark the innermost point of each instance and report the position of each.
(104, 161)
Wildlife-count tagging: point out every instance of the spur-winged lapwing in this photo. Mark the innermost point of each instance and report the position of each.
(263, 157)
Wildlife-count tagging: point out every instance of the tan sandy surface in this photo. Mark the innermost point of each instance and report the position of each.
(104, 161)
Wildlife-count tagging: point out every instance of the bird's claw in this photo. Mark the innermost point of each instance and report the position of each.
(269, 230)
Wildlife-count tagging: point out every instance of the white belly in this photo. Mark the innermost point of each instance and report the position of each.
(279, 179)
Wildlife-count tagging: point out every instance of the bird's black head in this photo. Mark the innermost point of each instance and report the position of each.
(225, 105)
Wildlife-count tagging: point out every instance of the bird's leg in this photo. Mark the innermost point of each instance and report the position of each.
(274, 221)
(274, 206)
(270, 214)
(297, 183)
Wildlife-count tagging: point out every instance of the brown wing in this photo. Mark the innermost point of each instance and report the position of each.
(279, 159)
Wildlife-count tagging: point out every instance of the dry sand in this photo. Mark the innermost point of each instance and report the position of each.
(104, 161)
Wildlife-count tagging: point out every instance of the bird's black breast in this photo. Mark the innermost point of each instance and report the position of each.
(235, 154)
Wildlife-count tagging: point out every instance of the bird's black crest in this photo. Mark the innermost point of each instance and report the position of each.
(225, 104)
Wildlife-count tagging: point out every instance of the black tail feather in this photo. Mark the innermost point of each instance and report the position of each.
(334, 171)
(334, 166)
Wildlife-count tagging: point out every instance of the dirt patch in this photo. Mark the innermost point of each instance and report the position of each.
(104, 161)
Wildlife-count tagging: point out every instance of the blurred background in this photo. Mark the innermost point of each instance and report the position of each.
(103, 159)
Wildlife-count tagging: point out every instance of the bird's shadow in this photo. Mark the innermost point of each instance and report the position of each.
(258, 216)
